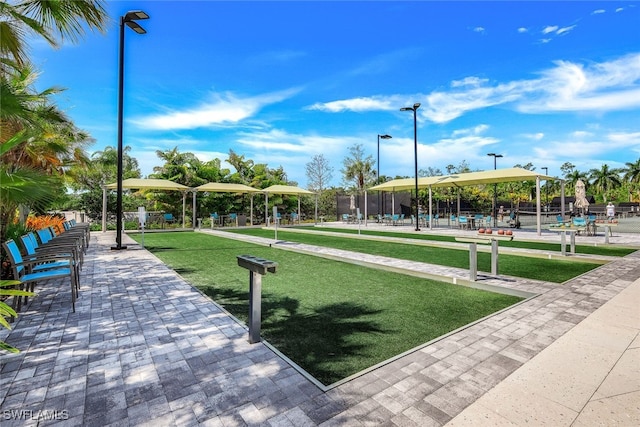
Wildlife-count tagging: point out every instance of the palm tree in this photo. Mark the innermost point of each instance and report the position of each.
(359, 169)
(605, 180)
(54, 21)
(574, 176)
(632, 174)
(34, 134)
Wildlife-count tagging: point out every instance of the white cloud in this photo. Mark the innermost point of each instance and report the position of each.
(598, 12)
(589, 150)
(581, 134)
(468, 81)
(284, 142)
(356, 104)
(479, 29)
(568, 86)
(534, 136)
(565, 30)
(522, 30)
(477, 130)
(552, 30)
(222, 109)
(620, 9)
(445, 106)
(607, 86)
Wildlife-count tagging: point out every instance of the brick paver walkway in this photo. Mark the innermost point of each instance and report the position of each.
(146, 348)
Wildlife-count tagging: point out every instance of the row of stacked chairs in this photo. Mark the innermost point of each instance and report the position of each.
(46, 255)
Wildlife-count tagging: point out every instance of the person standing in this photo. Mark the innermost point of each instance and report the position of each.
(611, 211)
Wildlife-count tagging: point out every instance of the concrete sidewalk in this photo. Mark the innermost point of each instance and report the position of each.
(588, 377)
(146, 348)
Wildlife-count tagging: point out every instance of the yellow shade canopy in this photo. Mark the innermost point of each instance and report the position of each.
(149, 184)
(226, 187)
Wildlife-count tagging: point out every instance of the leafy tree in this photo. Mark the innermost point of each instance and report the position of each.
(38, 144)
(101, 170)
(572, 178)
(53, 21)
(38, 141)
(605, 180)
(567, 168)
(632, 175)
(358, 170)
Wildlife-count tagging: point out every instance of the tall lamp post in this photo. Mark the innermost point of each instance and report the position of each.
(128, 19)
(415, 151)
(546, 190)
(385, 136)
(495, 190)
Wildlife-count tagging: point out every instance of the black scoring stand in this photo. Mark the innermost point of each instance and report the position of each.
(257, 267)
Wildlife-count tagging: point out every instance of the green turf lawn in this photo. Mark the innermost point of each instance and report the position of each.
(606, 250)
(550, 270)
(332, 318)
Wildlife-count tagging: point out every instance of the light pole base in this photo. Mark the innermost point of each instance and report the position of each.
(118, 248)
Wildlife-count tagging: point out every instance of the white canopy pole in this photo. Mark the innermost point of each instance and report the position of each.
(299, 209)
(315, 216)
(104, 209)
(266, 209)
(184, 208)
(193, 223)
(365, 208)
(538, 210)
(430, 209)
(393, 203)
(251, 213)
(562, 190)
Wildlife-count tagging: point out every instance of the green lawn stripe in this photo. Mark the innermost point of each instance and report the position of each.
(606, 250)
(332, 318)
(550, 270)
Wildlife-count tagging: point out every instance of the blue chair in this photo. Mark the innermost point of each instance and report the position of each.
(345, 217)
(478, 219)
(579, 222)
(23, 271)
(454, 220)
(232, 219)
(463, 223)
(215, 218)
(33, 251)
(591, 225)
(294, 217)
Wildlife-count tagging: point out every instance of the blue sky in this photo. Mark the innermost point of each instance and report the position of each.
(540, 82)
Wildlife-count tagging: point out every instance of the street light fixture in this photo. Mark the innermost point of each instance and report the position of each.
(495, 190)
(129, 19)
(415, 150)
(385, 136)
(546, 190)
